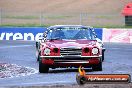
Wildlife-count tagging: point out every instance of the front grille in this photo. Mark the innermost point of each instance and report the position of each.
(70, 51)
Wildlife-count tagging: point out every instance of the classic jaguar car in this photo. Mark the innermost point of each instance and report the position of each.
(69, 46)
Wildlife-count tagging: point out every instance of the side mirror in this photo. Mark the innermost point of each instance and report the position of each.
(45, 34)
(44, 37)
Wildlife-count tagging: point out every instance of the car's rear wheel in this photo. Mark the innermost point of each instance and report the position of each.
(43, 68)
(38, 55)
(98, 67)
(38, 58)
(37, 45)
(102, 55)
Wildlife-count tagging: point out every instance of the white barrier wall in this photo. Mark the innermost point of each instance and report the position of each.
(21, 33)
(117, 35)
(33, 33)
(29, 33)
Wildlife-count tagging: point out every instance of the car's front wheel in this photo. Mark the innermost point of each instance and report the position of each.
(43, 68)
(98, 67)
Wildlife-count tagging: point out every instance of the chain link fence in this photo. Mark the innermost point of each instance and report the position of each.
(40, 19)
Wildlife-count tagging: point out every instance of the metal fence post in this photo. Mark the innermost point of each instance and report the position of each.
(0, 16)
(41, 18)
(80, 18)
(124, 20)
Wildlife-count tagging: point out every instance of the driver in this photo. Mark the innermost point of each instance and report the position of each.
(59, 34)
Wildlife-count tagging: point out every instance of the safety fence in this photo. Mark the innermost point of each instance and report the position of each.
(43, 18)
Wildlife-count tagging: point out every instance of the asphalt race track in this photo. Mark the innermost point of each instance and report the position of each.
(118, 59)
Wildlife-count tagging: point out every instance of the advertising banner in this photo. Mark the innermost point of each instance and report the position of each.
(99, 32)
(117, 35)
(29, 33)
(21, 33)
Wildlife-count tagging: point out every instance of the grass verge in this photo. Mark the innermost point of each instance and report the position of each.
(46, 25)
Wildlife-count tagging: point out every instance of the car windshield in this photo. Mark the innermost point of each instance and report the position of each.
(72, 33)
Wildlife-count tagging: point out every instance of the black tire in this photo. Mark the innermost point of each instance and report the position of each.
(38, 50)
(102, 55)
(43, 68)
(81, 80)
(38, 56)
(37, 45)
(98, 67)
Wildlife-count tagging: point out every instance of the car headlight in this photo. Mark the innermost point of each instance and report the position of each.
(47, 51)
(95, 51)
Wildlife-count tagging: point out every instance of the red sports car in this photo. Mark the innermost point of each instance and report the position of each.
(69, 46)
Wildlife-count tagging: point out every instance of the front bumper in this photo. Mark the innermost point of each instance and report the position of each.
(70, 60)
(79, 56)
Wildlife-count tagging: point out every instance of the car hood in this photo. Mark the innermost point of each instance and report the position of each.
(70, 43)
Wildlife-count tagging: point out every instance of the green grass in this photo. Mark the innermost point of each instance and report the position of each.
(37, 17)
(57, 17)
(46, 25)
(21, 17)
(23, 25)
(106, 17)
(112, 26)
(52, 17)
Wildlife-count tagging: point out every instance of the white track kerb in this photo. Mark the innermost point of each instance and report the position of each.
(13, 70)
(118, 35)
